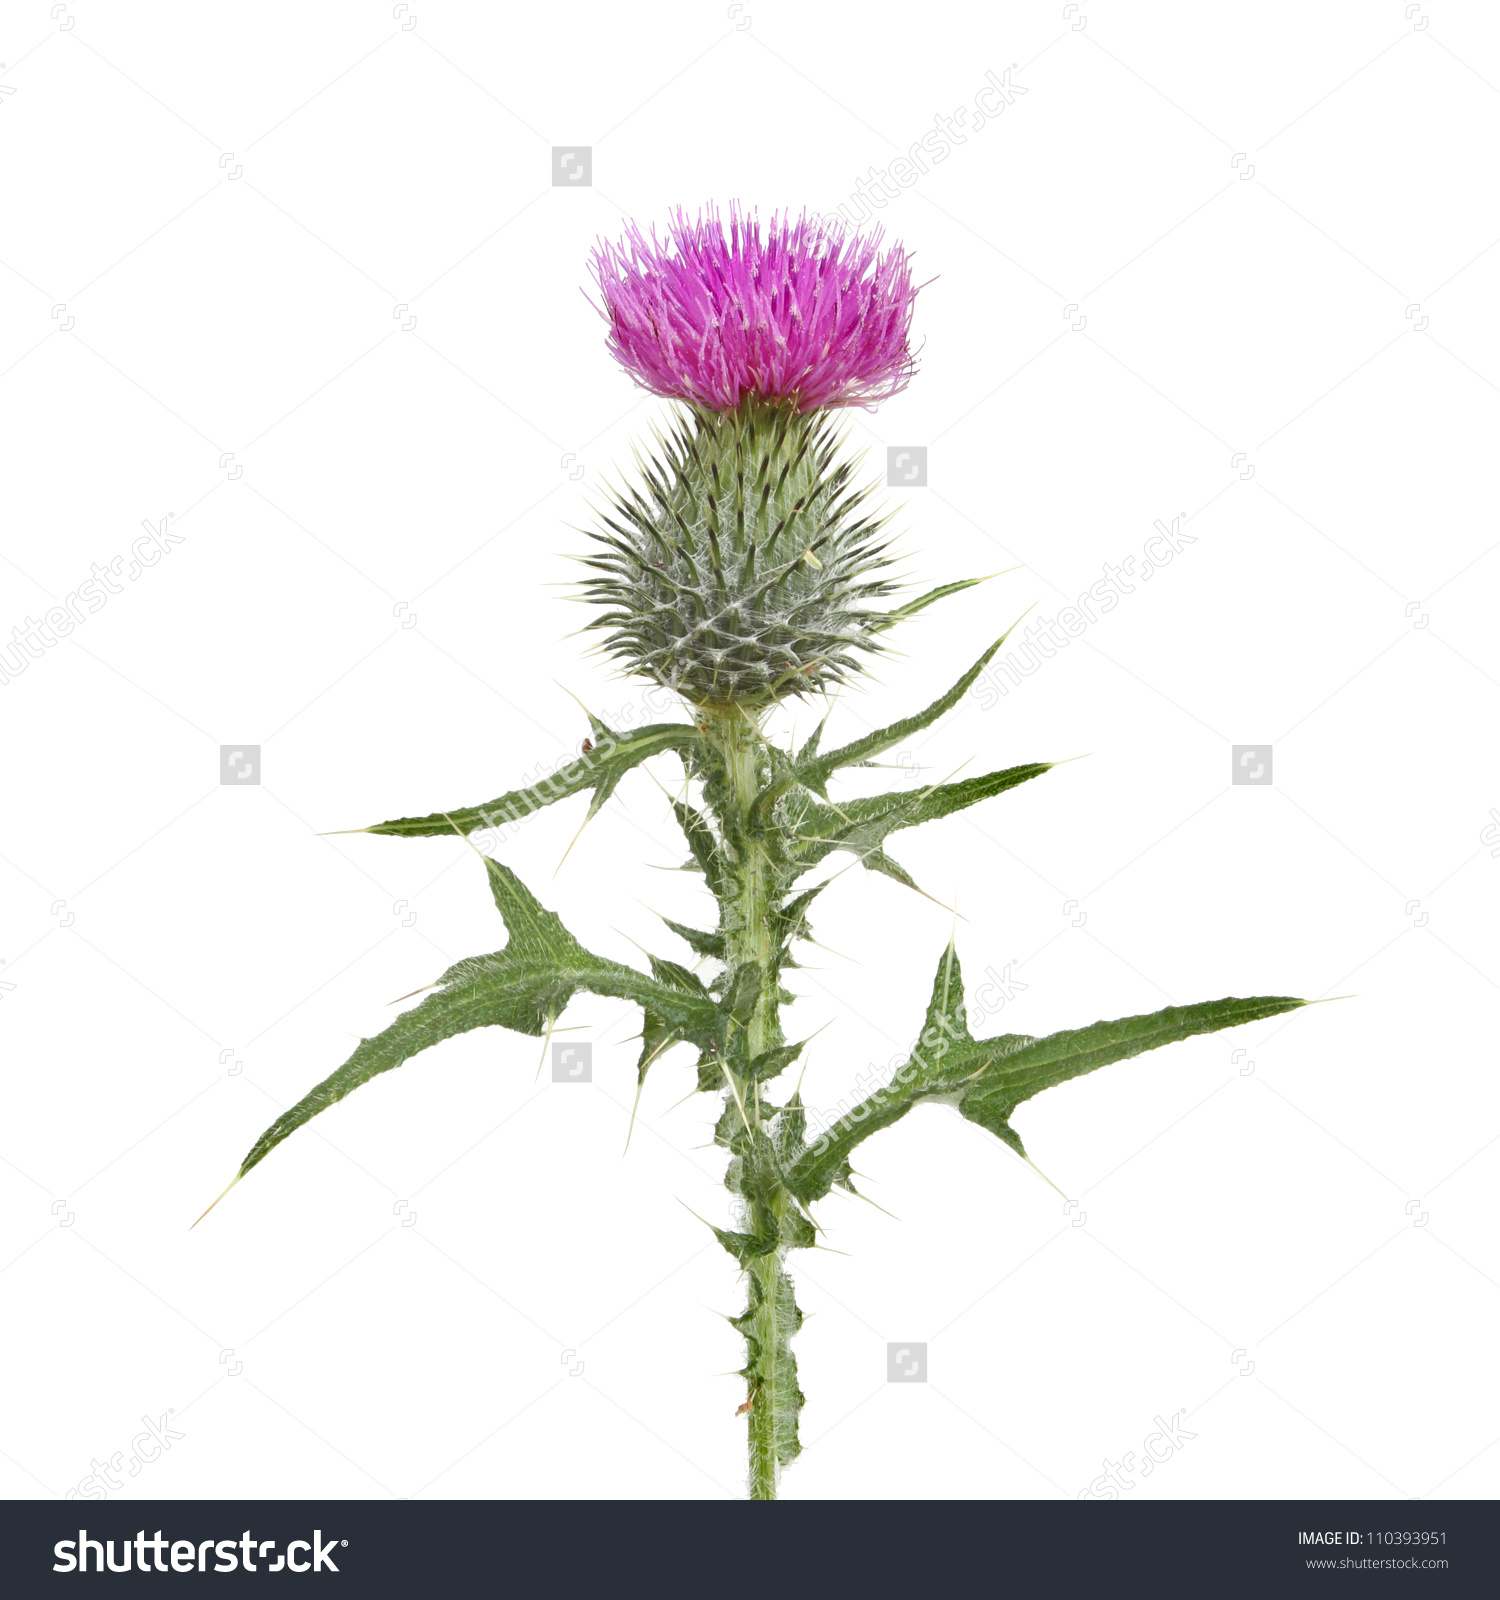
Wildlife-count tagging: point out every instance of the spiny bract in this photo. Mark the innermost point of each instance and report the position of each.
(743, 564)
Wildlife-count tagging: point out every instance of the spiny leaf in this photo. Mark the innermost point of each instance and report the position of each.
(1013, 1070)
(769, 1063)
(599, 769)
(703, 843)
(523, 987)
(921, 603)
(742, 991)
(439, 1017)
(988, 1078)
(745, 1247)
(706, 944)
(815, 771)
(861, 826)
(678, 976)
(947, 1020)
(790, 919)
(810, 749)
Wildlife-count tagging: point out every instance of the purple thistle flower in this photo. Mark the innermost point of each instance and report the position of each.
(804, 311)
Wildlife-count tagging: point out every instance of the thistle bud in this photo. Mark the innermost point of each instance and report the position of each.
(742, 565)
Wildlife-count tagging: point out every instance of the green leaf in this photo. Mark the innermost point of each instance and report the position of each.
(934, 1067)
(947, 1021)
(862, 826)
(814, 771)
(657, 1037)
(810, 749)
(439, 1017)
(911, 607)
(988, 1078)
(789, 920)
(769, 1063)
(745, 1247)
(706, 944)
(1015, 1068)
(524, 987)
(742, 991)
(678, 976)
(704, 844)
(599, 769)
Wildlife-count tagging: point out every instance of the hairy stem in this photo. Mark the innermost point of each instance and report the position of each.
(746, 912)
(747, 915)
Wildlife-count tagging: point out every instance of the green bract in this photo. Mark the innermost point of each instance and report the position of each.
(739, 578)
(742, 566)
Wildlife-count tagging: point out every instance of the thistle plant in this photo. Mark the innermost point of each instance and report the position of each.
(743, 567)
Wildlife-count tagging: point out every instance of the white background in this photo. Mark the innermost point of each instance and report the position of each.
(298, 276)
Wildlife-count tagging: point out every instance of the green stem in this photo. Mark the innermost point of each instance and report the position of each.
(746, 913)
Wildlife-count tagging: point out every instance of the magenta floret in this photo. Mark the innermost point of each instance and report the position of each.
(800, 310)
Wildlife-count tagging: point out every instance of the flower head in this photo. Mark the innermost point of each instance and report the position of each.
(803, 311)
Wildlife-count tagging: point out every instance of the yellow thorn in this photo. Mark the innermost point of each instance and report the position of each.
(1043, 1176)
(941, 781)
(626, 937)
(231, 1185)
(854, 1194)
(466, 839)
(593, 720)
(640, 1085)
(704, 1220)
(818, 944)
(551, 1018)
(334, 832)
(574, 840)
(737, 1100)
(423, 990)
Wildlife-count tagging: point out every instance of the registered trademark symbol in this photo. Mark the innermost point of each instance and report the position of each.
(345, 1543)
